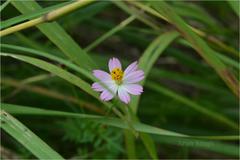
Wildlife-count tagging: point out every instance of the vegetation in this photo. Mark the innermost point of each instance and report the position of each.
(188, 50)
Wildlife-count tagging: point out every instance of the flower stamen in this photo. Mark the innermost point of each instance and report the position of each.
(117, 75)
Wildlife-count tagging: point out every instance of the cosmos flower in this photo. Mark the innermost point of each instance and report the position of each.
(118, 82)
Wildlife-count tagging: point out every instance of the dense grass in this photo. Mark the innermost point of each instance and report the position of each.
(188, 50)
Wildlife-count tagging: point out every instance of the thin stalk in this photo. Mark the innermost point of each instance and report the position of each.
(52, 94)
(130, 145)
(139, 14)
(47, 17)
(29, 16)
(110, 33)
(4, 5)
(197, 31)
(27, 81)
(214, 115)
(199, 45)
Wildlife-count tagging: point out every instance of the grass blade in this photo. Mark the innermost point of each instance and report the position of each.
(27, 138)
(197, 31)
(130, 145)
(22, 85)
(115, 122)
(51, 57)
(28, 16)
(58, 36)
(218, 147)
(235, 6)
(55, 70)
(199, 45)
(188, 102)
(150, 56)
(4, 5)
(109, 33)
(45, 18)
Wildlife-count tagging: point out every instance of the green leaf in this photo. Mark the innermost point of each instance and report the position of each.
(110, 33)
(4, 5)
(165, 137)
(196, 144)
(192, 104)
(57, 71)
(234, 4)
(139, 15)
(194, 11)
(130, 145)
(198, 44)
(149, 145)
(27, 138)
(146, 62)
(151, 55)
(58, 36)
(29, 16)
(51, 57)
(190, 80)
(114, 122)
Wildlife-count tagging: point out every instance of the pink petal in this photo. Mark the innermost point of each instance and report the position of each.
(134, 77)
(101, 75)
(114, 63)
(97, 87)
(134, 89)
(106, 95)
(123, 95)
(132, 67)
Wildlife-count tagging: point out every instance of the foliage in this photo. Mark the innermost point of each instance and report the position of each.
(188, 51)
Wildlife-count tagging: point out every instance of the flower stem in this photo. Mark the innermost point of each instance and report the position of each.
(47, 17)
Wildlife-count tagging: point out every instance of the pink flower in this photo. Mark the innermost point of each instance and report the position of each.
(118, 82)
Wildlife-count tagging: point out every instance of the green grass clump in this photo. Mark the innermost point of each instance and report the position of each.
(188, 50)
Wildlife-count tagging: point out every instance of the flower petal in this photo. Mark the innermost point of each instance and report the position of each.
(131, 68)
(114, 63)
(97, 87)
(123, 95)
(134, 77)
(134, 89)
(101, 75)
(106, 95)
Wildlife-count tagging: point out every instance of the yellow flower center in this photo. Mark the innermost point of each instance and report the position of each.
(117, 75)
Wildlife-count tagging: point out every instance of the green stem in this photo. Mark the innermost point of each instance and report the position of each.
(47, 17)
(110, 33)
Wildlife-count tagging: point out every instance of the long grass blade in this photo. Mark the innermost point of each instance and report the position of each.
(199, 45)
(196, 144)
(211, 39)
(21, 85)
(109, 33)
(45, 18)
(29, 16)
(51, 56)
(235, 6)
(114, 122)
(16, 109)
(4, 5)
(58, 36)
(27, 138)
(150, 56)
(192, 104)
(55, 70)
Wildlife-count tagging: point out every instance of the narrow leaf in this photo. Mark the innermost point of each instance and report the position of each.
(58, 36)
(27, 138)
